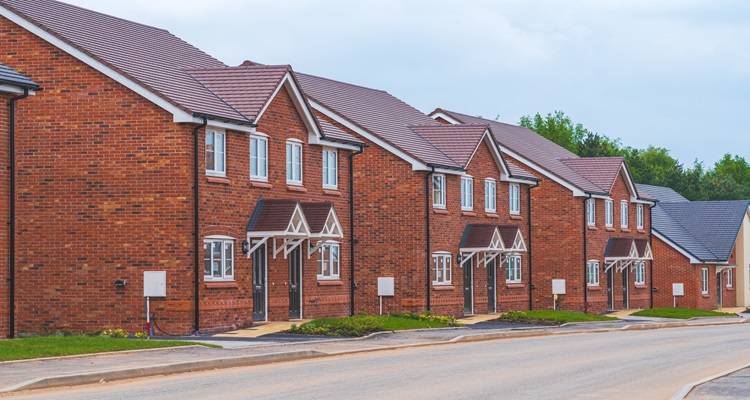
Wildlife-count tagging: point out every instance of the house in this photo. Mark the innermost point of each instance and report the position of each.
(143, 153)
(439, 212)
(14, 87)
(701, 251)
(590, 226)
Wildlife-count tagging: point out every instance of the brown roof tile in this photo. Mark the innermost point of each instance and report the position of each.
(477, 236)
(455, 141)
(508, 233)
(618, 248)
(601, 171)
(271, 215)
(316, 215)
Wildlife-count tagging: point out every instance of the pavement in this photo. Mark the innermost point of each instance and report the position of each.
(563, 366)
(735, 385)
(35, 374)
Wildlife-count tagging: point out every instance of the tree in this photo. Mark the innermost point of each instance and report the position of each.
(558, 128)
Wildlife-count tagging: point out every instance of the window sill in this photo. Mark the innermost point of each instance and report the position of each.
(517, 285)
(220, 285)
(491, 215)
(261, 184)
(442, 287)
(218, 179)
(641, 231)
(440, 211)
(330, 282)
(705, 295)
(610, 229)
(468, 213)
(296, 188)
(624, 230)
(593, 228)
(516, 216)
(731, 289)
(331, 192)
(594, 288)
(640, 286)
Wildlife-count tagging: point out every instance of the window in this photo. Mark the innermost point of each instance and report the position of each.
(328, 267)
(730, 277)
(514, 191)
(592, 273)
(258, 158)
(704, 280)
(442, 265)
(513, 271)
(218, 259)
(467, 193)
(608, 213)
(490, 195)
(438, 191)
(640, 273)
(591, 212)
(294, 163)
(215, 153)
(639, 216)
(624, 214)
(330, 169)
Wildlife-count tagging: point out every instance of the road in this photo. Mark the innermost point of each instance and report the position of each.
(617, 365)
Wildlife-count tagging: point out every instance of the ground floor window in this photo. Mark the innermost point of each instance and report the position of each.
(218, 259)
(328, 265)
(730, 277)
(640, 273)
(704, 280)
(592, 273)
(442, 264)
(513, 271)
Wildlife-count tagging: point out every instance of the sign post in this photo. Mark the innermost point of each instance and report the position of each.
(678, 290)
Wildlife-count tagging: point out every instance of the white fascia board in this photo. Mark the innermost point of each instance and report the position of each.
(10, 89)
(495, 152)
(335, 145)
(576, 191)
(225, 125)
(629, 180)
(444, 116)
(673, 245)
(506, 178)
(639, 201)
(299, 102)
(180, 115)
(598, 196)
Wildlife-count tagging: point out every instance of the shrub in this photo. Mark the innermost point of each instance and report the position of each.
(116, 333)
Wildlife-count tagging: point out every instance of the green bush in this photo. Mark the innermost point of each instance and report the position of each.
(361, 325)
(116, 333)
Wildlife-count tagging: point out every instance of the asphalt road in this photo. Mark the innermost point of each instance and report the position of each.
(617, 365)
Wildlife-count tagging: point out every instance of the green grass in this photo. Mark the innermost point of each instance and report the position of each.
(680, 313)
(551, 317)
(361, 325)
(55, 346)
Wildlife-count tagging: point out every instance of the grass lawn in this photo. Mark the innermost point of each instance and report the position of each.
(55, 346)
(361, 325)
(680, 313)
(552, 317)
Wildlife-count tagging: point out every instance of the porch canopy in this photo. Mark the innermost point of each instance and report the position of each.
(288, 223)
(488, 241)
(622, 253)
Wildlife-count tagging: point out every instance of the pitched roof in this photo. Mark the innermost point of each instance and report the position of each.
(618, 248)
(705, 229)
(660, 193)
(11, 77)
(601, 171)
(459, 142)
(546, 154)
(518, 172)
(271, 215)
(333, 132)
(316, 215)
(477, 236)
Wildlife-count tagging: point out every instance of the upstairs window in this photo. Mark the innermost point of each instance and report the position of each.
(258, 158)
(438, 191)
(330, 169)
(609, 213)
(490, 195)
(592, 273)
(442, 264)
(294, 163)
(514, 191)
(467, 193)
(640, 273)
(329, 264)
(639, 216)
(218, 259)
(513, 270)
(215, 153)
(591, 212)
(624, 211)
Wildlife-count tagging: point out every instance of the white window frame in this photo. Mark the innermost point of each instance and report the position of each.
(704, 280)
(514, 198)
(256, 161)
(639, 220)
(640, 274)
(490, 195)
(440, 203)
(208, 255)
(592, 273)
(624, 214)
(329, 153)
(443, 262)
(218, 157)
(591, 212)
(513, 269)
(467, 193)
(730, 277)
(609, 213)
(291, 162)
(334, 266)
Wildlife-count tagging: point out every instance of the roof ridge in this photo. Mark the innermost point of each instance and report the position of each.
(240, 67)
(344, 83)
(100, 13)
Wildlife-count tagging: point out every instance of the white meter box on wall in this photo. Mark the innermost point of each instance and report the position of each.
(155, 284)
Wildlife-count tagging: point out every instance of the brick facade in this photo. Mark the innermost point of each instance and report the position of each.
(4, 178)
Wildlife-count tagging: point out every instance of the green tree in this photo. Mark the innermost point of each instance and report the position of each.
(558, 128)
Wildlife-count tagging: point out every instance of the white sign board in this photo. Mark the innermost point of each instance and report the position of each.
(558, 286)
(154, 283)
(385, 286)
(678, 289)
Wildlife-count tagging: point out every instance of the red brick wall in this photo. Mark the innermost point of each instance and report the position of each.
(4, 284)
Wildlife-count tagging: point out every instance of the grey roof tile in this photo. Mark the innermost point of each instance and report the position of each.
(660, 193)
(12, 77)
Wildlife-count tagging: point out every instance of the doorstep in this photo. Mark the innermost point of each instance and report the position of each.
(477, 318)
(261, 329)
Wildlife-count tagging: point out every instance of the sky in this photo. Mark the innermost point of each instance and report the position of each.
(667, 73)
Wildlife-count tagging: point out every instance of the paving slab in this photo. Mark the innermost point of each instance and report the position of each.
(733, 386)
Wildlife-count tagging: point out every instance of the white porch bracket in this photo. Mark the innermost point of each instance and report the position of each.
(257, 245)
(465, 258)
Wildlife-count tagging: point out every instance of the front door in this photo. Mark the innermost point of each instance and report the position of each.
(625, 291)
(259, 284)
(295, 283)
(719, 299)
(469, 287)
(491, 282)
(610, 288)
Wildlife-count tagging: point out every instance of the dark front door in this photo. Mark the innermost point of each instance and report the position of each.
(625, 289)
(295, 283)
(491, 282)
(259, 284)
(469, 287)
(719, 299)
(610, 288)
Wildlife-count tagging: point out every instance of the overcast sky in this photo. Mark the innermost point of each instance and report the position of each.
(666, 73)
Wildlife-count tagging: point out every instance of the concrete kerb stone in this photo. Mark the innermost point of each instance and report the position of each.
(685, 390)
